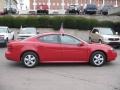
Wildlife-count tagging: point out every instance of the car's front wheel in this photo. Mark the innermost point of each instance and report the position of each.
(29, 59)
(98, 58)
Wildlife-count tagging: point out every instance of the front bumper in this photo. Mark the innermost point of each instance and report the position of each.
(112, 55)
(112, 43)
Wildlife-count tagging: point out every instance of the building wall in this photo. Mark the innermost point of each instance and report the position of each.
(57, 4)
(2, 5)
(6, 3)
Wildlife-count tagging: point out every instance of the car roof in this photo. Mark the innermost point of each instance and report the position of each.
(58, 33)
(28, 28)
(101, 28)
(48, 33)
(4, 27)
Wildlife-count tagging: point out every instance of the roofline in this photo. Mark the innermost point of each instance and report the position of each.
(101, 27)
(16, 1)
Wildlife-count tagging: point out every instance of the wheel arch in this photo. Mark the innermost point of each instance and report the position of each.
(98, 51)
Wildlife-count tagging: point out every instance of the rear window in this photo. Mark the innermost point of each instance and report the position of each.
(91, 6)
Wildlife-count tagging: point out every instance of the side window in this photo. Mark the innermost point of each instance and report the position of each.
(66, 39)
(95, 30)
(50, 39)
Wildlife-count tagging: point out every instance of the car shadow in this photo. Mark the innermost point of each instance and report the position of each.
(60, 65)
(19, 65)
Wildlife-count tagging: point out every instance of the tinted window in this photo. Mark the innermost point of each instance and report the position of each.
(50, 39)
(66, 39)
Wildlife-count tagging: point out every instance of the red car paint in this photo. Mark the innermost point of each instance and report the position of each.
(57, 52)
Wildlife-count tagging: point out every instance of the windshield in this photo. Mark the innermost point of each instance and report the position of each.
(3, 30)
(91, 6)
(28, 31)
(106, 31)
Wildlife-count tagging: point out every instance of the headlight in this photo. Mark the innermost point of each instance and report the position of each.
(111, 48)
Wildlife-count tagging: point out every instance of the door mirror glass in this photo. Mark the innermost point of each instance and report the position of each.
(81, 44)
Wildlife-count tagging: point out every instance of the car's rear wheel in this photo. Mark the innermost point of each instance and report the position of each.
(98, 58)
(13, 37)
(6, 42)
(29, 59)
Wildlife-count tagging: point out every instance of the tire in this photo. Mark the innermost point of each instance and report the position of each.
(29, 59)
(100, 41)
(90, 40)
(13, 37)
(98, 59)
(6, 42)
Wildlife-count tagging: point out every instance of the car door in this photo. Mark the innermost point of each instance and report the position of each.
(50, 48)
(9, 34)
(71, 49)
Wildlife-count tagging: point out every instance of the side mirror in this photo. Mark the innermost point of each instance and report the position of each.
(81, 44)
(116, 33)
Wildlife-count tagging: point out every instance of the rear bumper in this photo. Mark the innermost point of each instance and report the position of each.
(11, 56)
(2, 42)
(90, 12)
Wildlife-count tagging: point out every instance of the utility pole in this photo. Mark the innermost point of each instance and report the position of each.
(63, 4)
(103, 2)
(116, 3)
(34, 5)
(10, 9)
(90, 1)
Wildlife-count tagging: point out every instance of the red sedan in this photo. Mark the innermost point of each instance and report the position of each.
(58, 48)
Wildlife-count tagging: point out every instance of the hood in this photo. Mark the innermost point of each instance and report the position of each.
(100, 46)
(2, 33)
(110, 36)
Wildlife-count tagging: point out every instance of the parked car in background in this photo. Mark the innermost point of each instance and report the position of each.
(104, 9)
(5, 35)
(32, 12)
(11, 10)
(104, 35)
(42, 9)
(58, 48)
(2, 12)
(90, 9)
(27, 32)
(74, 9)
